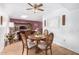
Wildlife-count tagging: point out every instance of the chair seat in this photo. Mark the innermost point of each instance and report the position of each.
(31, 43)
(42, 45)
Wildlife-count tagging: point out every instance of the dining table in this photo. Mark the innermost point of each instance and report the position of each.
(37, 38)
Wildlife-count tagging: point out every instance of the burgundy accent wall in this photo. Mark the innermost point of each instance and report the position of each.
(35, 24)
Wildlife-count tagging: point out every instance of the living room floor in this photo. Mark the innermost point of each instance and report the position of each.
(16, 49)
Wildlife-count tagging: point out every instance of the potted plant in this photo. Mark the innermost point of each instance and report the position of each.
(10, 37)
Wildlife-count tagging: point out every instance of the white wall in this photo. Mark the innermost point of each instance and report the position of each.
(66, 36)
(3, 28)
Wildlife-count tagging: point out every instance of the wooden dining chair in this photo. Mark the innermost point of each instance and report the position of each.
(46, 32)
(26, 44)
(45, 46)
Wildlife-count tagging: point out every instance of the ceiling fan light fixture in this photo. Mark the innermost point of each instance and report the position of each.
(35, 10)
(35, 7)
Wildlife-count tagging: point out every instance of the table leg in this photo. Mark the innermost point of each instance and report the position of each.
(37, 49)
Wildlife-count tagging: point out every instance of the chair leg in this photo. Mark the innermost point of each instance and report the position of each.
(46, 51)
(23, 50)
(27, 51)
(51, 50)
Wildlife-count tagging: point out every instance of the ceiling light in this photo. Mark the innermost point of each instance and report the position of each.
(35, 7)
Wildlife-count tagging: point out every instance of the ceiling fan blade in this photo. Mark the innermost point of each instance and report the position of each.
(28, 8)
(30, 4)
(41, 9)
(40, 5)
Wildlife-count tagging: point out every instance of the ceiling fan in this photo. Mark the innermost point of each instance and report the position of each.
(35, 7)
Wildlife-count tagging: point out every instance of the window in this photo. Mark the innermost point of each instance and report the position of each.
(1, 20)
(63, 19)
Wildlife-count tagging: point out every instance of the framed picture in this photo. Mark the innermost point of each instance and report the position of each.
(1, 20)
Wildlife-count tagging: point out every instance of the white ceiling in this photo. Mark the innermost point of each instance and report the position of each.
(71, 6)
(16, 10)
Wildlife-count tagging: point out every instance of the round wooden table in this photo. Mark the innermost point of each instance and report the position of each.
(37, 38)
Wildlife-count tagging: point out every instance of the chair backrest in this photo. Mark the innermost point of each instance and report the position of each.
(50, 38)
(45, 32)
(24, 39)
(33, 32)
(28, 32)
